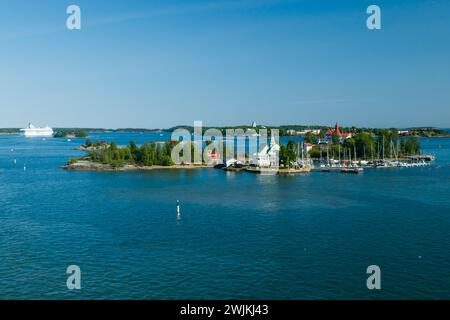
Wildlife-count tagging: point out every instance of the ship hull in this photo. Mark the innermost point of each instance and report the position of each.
(33, 134)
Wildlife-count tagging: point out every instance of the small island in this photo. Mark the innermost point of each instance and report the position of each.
(9, 131)
(68, 133)
(333, 149)
(109, 157)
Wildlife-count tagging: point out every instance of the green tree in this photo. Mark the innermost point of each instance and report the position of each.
(286, 156)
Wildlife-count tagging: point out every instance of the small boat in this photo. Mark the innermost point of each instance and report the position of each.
(262, 170)
(234, 168)
(352, 170)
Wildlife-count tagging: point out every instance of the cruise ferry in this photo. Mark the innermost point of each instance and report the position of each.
(32, 131)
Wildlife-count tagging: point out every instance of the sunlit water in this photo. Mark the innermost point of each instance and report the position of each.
(241, 235)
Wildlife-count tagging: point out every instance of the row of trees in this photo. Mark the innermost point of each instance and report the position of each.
(78, 133)
(288, 154)
(387, 144)
(150, 153)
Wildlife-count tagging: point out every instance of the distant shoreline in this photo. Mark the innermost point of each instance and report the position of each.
(284, 130)
(283, 136)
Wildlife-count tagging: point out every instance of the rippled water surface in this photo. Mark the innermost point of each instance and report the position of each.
(241, 235)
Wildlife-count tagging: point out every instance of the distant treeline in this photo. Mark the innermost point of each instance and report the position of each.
(284, 129)
(97, 130)
(9, 130)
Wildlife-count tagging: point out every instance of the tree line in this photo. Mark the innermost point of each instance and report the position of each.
(369, 145)
(148, 154)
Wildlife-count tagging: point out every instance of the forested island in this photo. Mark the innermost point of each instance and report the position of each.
(9, 131)
(108, 156)
(68, 133)
(365, 145)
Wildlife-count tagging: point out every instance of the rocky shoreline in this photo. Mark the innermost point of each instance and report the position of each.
(86, 165)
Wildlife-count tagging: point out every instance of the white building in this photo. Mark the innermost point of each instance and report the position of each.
(292, 132)
(313, 131)
(268, 157)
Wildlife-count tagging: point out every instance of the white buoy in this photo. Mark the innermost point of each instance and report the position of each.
(15, 161)
(178, 210)
(24, 168)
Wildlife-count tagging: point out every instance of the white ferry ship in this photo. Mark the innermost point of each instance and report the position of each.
(32, 131)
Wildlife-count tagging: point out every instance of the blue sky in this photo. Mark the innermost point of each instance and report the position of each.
(156, 64)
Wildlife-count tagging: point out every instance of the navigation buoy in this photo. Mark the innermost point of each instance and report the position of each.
(24, 168)
(178, 210)
(15, 161)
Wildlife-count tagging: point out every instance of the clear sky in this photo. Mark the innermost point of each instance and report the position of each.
(155, 64)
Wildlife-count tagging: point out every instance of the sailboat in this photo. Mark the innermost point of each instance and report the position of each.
(352, 167)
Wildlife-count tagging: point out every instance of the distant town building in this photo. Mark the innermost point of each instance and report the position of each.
(313, 131)
(326, 140)
(213, 155)
(337, 131)
(307, 146)
(292, 132)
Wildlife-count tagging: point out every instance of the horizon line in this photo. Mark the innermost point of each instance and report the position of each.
(236, 126)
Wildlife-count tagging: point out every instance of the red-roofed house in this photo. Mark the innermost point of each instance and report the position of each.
(308, 146)
(338, 132)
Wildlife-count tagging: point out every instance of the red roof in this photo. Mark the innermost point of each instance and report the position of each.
(337, 130)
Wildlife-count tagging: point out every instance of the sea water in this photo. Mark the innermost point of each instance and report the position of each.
(240, 236)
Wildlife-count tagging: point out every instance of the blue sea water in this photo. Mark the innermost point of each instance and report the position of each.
(241, 236)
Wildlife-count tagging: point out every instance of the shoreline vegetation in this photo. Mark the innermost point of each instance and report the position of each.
(70, 133)
(104, 156)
